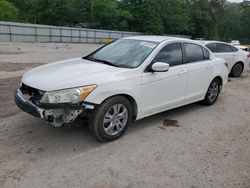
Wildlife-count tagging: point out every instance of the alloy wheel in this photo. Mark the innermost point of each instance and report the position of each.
(213, 91)
(115, 119)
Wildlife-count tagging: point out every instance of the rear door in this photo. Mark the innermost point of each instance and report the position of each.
(199, 70)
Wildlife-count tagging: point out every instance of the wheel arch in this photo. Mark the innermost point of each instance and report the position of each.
(238, 62)
(220, 79)
(132, 102)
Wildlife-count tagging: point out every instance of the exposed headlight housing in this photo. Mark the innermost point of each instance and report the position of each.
(74, 95)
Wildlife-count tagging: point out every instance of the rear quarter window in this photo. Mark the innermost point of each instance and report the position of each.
(206, 54)
(234, 49)
(221, 48)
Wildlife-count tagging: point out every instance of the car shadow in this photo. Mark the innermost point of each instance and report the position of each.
(160, 118)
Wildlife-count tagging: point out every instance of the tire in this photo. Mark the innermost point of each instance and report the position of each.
(237, 70)
(212, 92)
(110, 120)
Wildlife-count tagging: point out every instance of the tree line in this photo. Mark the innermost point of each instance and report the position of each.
(209, 19)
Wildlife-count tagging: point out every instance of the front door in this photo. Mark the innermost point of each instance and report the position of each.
(163, 90)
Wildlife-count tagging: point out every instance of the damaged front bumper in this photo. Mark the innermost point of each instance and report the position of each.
(55, 114)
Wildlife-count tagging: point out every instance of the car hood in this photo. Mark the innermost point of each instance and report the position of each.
(72, 73)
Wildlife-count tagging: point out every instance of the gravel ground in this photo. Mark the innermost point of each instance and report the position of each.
(16, 58)
(193, 146)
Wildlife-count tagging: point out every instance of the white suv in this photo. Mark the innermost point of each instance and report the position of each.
(237, 60)
(126, 80)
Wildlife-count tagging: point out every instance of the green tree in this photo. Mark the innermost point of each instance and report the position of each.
(83, 11)
(202, 23)
(218, 7)
(125, 17)
(56, 12)
(175, 16)
(244, 23)
(152, 22)
(229, 25)
(8, 12)
(210, 19)
(26, 10)
(146, 15)
(104, 13)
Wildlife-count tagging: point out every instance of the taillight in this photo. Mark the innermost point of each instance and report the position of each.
(248, 54)
(226, 64)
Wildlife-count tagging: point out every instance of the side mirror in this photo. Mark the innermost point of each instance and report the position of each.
(160, 67)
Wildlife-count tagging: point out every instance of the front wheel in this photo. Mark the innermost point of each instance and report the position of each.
(111, 119)
(212, 92)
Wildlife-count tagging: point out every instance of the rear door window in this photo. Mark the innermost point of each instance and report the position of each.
(193, 53)
(211, 47)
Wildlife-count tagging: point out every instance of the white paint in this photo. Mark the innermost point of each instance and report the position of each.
(153, 92)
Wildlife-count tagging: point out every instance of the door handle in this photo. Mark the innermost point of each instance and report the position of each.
(209, 65)
(183, 71)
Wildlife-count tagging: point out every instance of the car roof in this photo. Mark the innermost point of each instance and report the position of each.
(160, 39)
(211, 41)
(205, 42)
(153, 38)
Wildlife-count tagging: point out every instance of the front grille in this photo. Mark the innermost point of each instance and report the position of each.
(33, 94)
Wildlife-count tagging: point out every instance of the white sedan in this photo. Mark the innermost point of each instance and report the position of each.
(237, 59)
(126, 80)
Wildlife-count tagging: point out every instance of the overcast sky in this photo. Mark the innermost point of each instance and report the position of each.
(235, 0)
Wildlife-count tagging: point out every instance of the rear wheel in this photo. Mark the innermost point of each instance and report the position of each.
(237, 70)
(212, 92)
(111, 119)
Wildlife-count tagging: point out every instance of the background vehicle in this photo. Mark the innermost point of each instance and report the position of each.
(245, 48)
(126, 80)
(235, 42)
(237, 59)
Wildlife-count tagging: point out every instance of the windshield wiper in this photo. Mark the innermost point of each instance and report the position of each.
(102, 61)
(106, 62)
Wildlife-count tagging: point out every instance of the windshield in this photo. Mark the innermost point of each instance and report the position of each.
(124, 53)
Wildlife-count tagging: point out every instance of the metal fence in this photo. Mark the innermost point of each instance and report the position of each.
(20, 32)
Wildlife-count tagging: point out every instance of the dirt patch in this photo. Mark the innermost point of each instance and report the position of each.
(14, 174)
(7, 104)
(170, 123)
(11, 67)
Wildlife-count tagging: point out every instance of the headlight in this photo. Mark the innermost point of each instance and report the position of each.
(74, 95)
